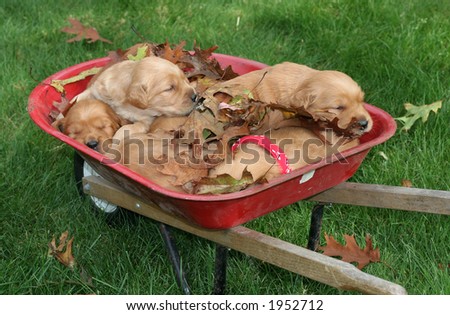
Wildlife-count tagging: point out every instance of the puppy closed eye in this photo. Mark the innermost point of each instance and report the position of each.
(73, 131)
(170, 88)
(101, 124)
(335, 110)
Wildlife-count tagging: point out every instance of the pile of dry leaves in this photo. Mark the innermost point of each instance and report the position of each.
(222, 116)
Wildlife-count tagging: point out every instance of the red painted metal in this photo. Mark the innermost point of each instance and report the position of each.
(213, 211)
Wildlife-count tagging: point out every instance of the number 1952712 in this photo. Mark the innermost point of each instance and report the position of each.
(296, 305)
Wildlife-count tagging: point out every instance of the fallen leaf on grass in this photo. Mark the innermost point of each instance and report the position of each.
(443, 267)
(406, 183)
(64, 257)
(351, 252)
(383, 155)
(413, 113)
(83, 32)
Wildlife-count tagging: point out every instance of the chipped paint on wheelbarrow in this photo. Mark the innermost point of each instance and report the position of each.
(213, 211)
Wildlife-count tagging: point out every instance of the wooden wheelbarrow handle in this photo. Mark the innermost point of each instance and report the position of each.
(280, 253)
(389, 197)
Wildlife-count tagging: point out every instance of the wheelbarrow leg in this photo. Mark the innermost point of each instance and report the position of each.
(220, 269)
(174, 258)
(315, 227)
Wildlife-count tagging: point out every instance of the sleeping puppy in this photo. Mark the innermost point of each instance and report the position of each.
(300, 147)
(331, 98)
(142, 90)
(323, 95)
(145, 153)
(90, 122)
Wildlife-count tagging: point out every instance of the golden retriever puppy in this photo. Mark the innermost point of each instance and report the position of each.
(142, 90)
(323, 95)
(280, 152)
(148, 154)
(90, 122)
(155, 153)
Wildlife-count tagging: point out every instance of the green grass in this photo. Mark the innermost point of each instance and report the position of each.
(397, 50)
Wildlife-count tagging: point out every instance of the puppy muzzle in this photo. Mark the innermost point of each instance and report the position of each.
(360, 127)
(93, 144)
(363, 124)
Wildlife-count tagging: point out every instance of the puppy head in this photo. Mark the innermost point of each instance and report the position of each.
(330, 95)
(89, 122)
(160, 86)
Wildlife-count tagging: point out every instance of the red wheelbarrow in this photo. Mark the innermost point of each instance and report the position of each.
(219, 217)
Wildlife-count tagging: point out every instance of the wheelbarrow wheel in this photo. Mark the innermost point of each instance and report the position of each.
(83, 169)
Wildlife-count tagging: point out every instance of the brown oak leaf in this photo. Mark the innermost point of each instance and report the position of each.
(202, 63)
(351, 252)
(201, 125)
(59, 108)
(83, 32)
(183, 172)
(174, 55)
(233, 132)
(407, 183)
(64, 257)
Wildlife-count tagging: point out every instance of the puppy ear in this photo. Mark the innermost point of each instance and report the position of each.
(305, 97)
(307, 102)
(123, 121)
(59, 124)
(138, 95)
(119, 121)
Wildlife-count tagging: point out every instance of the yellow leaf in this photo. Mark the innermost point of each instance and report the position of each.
(140, 54)
(413, 113)
(59, 84)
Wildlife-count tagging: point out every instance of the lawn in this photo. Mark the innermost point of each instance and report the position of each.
(398, 51)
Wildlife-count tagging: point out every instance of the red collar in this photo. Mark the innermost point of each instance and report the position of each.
(272, 148)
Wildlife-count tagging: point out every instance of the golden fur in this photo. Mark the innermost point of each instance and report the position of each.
(90, 122)
(329, 96)
(323, 95)
(144, 153)
(142, 90)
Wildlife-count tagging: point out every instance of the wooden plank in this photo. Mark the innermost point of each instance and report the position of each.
(288, 256)
(390, 197)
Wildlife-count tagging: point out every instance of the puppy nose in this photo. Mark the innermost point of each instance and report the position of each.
(363, 123)
(92, 144)
(194, 97)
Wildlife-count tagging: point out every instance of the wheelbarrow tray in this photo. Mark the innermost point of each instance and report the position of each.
(212, 211)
